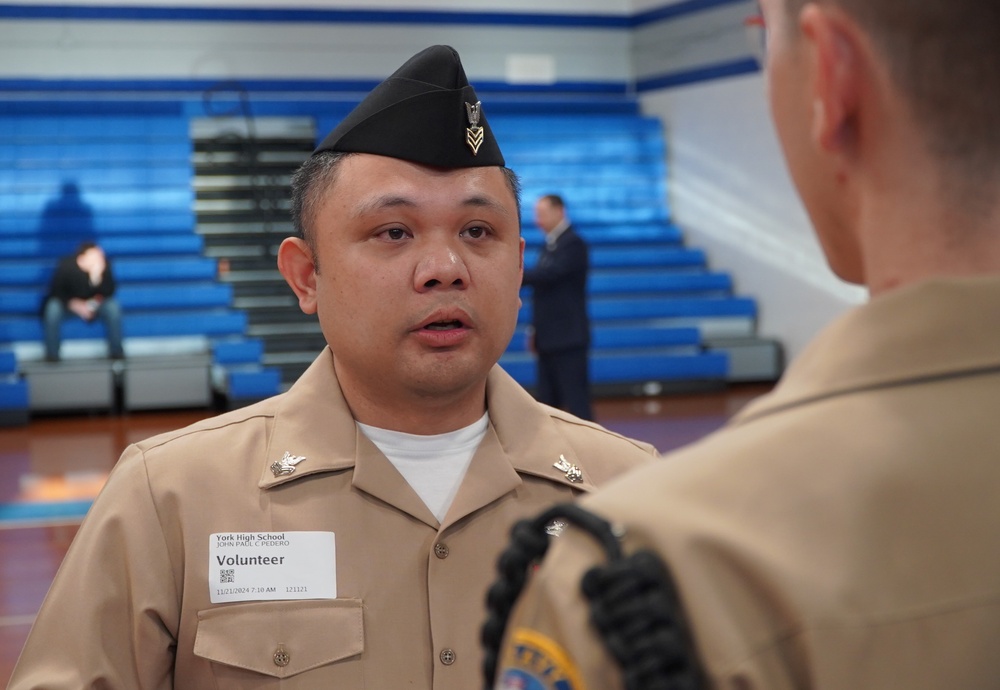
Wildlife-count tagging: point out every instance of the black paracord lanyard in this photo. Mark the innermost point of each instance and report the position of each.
(633, 604)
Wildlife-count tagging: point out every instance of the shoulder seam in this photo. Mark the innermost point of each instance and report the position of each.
(190, 430)
(600, 429)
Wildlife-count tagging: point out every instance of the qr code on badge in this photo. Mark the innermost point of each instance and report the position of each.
(227, 576)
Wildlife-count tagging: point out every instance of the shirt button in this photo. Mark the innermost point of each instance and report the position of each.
(447, 656)
(281, 657)
(441, 550)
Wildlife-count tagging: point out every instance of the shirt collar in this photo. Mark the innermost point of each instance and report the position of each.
(553, 235)
(932, 329)
(314, 421)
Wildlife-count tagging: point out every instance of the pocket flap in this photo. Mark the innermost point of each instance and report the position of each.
(308, 634)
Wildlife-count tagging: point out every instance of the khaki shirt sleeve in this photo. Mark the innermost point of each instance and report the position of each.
(108, 619)
(549, 641)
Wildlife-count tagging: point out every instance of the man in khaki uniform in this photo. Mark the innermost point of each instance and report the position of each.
(342, 535)
(841, 532)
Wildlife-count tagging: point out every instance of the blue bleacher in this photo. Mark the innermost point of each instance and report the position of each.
(125, 181)
(632, 367)
(632, 281)
(640, 255)
(252, 384)
(631, 308)
(19, 223)
(652, 297)
(246, 380)
(13, 392)
(37, 272)
(653, 301)
(643, 233)
(115, 246)
(243, 351)
(145, 324)
(608, 336)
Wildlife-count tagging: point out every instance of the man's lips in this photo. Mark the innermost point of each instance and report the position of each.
(446, 320)
(444, 325)
(444, 329)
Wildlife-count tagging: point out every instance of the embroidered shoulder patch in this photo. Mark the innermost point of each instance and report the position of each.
(533, 661)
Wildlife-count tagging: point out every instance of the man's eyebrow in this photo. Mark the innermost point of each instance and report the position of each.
(388, 201)
(487, 202)
(379, 203)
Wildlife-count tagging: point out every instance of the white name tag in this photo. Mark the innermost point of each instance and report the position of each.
(268, 566)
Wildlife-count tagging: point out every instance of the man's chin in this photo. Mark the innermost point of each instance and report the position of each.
(447, 379)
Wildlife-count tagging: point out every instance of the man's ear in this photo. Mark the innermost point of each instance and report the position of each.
(520, 271)
(297, 265)
(836, 80)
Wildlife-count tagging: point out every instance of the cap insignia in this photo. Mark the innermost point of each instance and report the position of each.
(474, 133)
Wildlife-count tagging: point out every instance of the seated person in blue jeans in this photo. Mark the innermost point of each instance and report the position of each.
(84, 285)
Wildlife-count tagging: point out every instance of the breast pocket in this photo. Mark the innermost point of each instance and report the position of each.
(298, 644)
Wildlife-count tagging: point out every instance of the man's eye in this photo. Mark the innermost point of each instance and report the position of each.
(475, 232)
(395, 233)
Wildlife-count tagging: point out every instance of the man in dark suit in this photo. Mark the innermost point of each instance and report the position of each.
(561, 328)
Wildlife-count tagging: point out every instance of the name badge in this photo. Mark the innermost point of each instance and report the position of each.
(265, 566)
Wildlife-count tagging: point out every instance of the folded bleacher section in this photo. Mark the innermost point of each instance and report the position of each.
(662, 320)
(191, 206)
(119, 174)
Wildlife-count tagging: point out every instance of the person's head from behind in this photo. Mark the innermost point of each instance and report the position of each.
(871, 95)
(409, 249)
(550, 210)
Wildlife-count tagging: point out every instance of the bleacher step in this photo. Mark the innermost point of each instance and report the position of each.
(294, 128)
(227, 182)
(750, 359)
(250, 227)
(271, 275)
(282, 329)
(276, 301)
(70, 385)
(167, 382)
(279, 159)
(140, 383)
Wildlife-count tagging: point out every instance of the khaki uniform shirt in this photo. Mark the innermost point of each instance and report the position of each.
(840, 534)
(130, 607)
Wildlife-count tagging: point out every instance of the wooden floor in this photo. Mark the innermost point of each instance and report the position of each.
(67, 458)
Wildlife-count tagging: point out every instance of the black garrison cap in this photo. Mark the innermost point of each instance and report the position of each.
(426, 113)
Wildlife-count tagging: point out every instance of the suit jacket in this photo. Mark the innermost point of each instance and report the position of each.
(559, 304)
(130, 607)
(841, 533)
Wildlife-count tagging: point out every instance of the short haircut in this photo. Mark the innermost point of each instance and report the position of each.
(85, 246)
(318, 174)
(309, 183)
(943, 56)
(554, 200)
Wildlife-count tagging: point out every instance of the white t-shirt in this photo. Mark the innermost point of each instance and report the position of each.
(433, 465)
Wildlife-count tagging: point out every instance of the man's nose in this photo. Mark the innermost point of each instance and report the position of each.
(441, 265)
